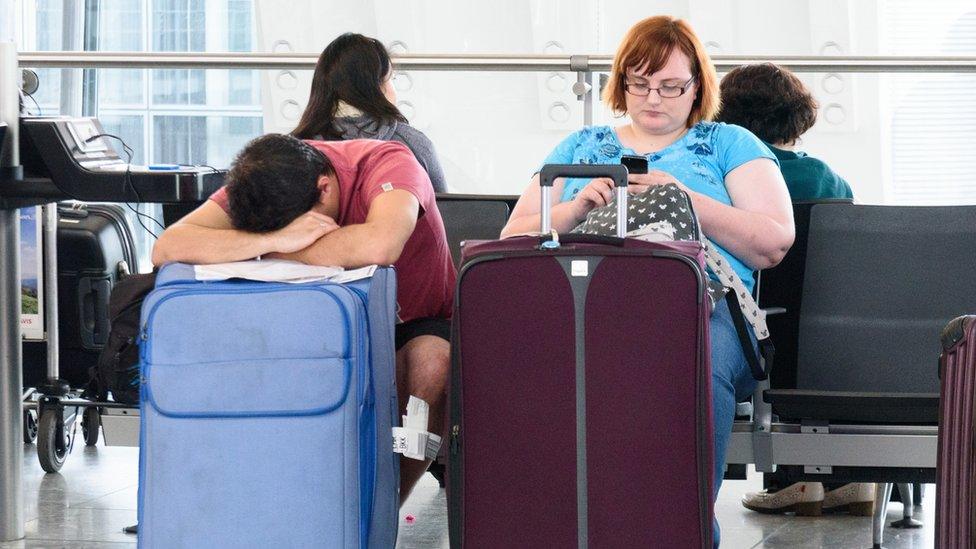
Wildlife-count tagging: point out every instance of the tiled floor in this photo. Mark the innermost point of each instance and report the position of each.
(94, 497)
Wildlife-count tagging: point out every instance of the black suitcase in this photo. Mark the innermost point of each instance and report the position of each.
(95, 249)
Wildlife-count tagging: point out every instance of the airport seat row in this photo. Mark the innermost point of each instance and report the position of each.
(853, 395)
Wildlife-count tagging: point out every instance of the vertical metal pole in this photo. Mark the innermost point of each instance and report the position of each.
(583, 88)
(907, 499)
(621, 193)
(546, 209)
(72, 39)
(882, 495)
(588, 99)
(51, 288)
(11, 413)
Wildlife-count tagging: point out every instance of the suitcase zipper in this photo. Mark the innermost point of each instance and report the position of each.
(367, 422)
(146, 348)
(454, 439)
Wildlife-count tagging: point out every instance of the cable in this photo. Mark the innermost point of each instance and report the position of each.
(127, 180)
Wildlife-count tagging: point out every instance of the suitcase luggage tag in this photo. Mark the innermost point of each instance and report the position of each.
(413, 440)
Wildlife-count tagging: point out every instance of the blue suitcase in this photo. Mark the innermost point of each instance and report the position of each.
(267, 411)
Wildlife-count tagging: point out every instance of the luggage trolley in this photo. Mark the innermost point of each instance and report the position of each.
(73, 158)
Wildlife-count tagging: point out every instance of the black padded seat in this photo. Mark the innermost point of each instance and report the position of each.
(853, 407)
(779, 288)
(472, 217)
(880, 283)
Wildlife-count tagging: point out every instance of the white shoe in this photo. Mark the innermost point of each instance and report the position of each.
(857, 498)
(803, 498)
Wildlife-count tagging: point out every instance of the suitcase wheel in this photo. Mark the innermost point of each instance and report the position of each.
(90, 422)
(30, 426)
(53, 440)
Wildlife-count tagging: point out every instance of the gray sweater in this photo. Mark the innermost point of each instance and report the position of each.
(365, 127)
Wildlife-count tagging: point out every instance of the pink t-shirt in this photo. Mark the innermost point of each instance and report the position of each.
(367, 168)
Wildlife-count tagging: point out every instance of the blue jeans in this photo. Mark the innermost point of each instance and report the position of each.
(732, 382)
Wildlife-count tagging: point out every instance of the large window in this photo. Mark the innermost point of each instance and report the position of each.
(165, 115)
(896, 137)
(931, 115)
(48, 16)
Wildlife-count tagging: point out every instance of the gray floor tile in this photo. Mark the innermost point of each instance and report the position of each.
(845, 532)
(45, 544)
(123, 499)
(94, 496)
(428, 508)
(82, 525)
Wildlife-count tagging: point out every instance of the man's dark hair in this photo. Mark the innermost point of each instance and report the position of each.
(352, 69)
(272, 181)
(769, 101)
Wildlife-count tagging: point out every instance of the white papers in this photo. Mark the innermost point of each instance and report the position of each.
(412, 440)
(279, 270)
(355, 274)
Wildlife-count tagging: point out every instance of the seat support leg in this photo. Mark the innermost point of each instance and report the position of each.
(882, 495)
(762, 419)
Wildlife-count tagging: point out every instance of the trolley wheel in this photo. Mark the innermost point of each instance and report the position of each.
(52, 440)
(90, 423)
(30, 426)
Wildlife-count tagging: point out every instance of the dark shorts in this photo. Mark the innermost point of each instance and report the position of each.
(405, 331)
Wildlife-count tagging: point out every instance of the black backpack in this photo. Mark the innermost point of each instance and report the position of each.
(117, 370)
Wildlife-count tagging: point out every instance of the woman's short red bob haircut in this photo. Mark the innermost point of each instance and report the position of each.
(649, 43)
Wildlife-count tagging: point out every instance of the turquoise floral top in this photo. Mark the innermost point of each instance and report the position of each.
(700, 160)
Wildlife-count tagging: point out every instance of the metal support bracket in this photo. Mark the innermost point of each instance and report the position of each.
(762, 440)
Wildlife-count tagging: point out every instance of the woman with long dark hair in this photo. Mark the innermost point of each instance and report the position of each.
(353, 98)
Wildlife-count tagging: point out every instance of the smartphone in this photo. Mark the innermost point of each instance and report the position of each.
(635, 164)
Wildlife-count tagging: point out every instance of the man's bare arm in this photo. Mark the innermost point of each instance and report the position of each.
(206, 235)
(391, 220)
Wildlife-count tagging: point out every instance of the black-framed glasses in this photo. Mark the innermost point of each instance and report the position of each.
(667, 91)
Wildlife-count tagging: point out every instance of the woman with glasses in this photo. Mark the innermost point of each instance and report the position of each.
(666, 84)
(352, 97)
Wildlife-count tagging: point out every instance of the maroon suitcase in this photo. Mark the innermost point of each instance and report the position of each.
(581, 391)
(954, 509)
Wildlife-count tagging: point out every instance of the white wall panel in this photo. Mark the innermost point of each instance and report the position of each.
(493, 129)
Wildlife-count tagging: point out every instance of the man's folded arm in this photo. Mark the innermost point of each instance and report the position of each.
(379, 241)
(206, 235)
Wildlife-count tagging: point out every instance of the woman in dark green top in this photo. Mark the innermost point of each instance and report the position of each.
(773, 103)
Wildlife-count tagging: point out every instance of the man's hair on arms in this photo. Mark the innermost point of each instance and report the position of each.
(272, 181)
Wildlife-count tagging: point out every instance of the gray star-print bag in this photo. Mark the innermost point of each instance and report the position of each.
(665, 213)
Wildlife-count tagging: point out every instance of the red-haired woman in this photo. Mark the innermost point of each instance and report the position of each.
(663, 79)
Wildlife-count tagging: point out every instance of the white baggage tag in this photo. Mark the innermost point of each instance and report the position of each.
(412, 440)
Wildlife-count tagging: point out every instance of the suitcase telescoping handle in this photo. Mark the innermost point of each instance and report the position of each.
(617, 172)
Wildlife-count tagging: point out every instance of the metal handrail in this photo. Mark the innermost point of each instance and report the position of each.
(481, 62)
